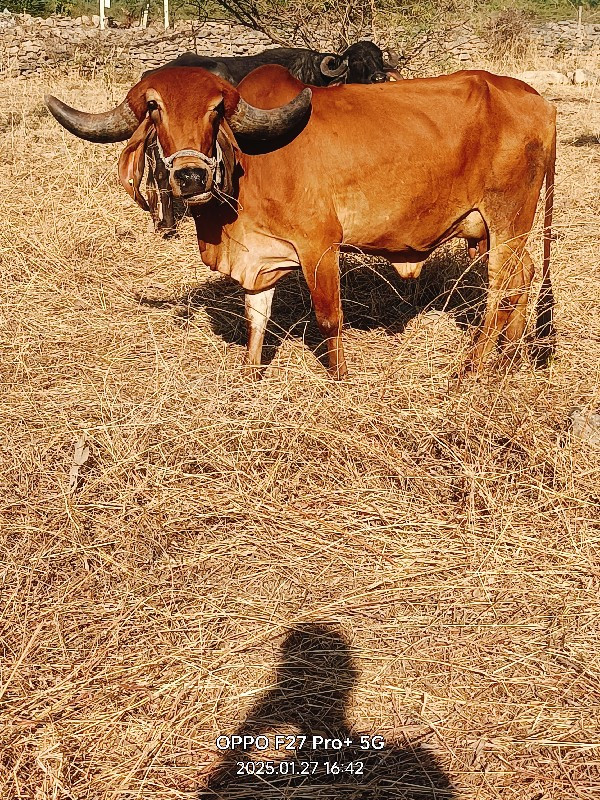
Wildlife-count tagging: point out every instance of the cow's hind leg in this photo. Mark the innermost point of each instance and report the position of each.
(510, 270)
(473, 248)
(515, 326)
(477, 248)
(258, 313)
(323, 278)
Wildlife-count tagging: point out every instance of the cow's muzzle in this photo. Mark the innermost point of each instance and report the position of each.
(191, 181)
(194, 182)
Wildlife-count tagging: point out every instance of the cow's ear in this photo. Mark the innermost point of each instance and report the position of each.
(136, 99)
(231, 97)
(226, 132)
(132, 161)
(230, 151)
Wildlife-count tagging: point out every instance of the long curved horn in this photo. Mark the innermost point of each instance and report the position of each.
(265, 124)
(332, 72)
(116, 125)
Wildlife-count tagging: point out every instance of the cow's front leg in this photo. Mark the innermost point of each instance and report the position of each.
(258, 313)
(323, 278)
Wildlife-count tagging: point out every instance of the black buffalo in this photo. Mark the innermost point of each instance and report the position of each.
(362, 62)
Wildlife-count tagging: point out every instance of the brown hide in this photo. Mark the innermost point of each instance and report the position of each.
(394, 169)
(396, 166)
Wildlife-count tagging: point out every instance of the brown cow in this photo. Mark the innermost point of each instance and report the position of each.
(394, 169)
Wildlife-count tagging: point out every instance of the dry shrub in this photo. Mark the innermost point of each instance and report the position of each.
(508, 33)
(445, 540)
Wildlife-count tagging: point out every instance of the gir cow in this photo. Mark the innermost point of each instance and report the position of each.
(362, 62)
(280, 177)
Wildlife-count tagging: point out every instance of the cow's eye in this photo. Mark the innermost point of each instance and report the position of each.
(152, 105)
(220, 109)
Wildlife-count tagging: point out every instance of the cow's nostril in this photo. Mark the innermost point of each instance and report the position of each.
(191, 180)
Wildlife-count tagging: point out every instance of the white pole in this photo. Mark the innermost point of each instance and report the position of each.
(579, 35)
(166, 6)
(101, 15)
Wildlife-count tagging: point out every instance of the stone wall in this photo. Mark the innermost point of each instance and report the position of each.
(552, 40)
(556, 39)
(29, 45)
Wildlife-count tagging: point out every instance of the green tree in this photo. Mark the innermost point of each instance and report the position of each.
(37, 8)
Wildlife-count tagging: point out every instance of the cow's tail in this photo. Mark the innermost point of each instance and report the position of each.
(545, 307)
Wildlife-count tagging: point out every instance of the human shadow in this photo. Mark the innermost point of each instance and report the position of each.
(373, 297)
(307, 709)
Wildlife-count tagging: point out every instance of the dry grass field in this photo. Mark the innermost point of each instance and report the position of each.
(394, 555)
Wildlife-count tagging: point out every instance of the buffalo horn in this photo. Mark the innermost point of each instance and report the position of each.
(333, 72)
(267, 124)
(116, 125)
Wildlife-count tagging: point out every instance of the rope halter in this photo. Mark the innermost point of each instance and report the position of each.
(215, 165)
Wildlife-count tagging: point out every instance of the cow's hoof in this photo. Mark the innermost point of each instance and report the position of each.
(510, 359)
(253, 372)
(465, 374)
(541, 353)
(339, 374)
